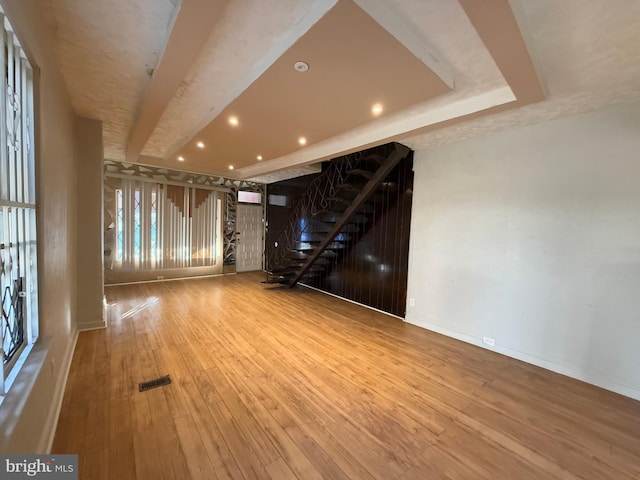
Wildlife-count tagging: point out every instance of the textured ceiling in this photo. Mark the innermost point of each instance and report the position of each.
(106, 51)
(586, 53)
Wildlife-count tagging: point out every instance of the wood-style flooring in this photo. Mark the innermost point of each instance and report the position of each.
(294, 384)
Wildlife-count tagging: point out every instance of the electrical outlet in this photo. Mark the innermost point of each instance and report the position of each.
(160, 277)
(489, 341)
(412, 302)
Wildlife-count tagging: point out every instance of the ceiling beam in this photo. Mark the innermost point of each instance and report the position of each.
(191, 29)
(396, 127)
(387, 17)
(499, 31)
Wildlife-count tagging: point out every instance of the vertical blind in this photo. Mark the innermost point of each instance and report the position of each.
(161, 226)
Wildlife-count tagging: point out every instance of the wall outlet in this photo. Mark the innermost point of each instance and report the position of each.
(489, 341)
(160, 277)
(412, 302)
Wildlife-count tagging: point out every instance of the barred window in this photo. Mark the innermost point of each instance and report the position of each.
(18, 261)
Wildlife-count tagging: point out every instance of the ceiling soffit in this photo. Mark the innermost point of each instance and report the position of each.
(520, 86)
(267, 141)
(354, 63)
(191, 28)
(247, 38)
(449, 64)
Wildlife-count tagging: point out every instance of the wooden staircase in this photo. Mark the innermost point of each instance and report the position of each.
(335, 207)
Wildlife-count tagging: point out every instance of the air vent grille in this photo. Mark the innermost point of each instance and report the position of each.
(158, 382)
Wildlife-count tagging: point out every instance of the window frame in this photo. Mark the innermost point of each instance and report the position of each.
(17, 199)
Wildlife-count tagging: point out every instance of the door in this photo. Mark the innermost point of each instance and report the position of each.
(248, 238)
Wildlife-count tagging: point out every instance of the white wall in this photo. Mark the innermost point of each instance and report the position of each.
(28, 414)
(90, 247)
(531, 236)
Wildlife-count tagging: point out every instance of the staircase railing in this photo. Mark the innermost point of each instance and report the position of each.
(316, 199)
(398, 153)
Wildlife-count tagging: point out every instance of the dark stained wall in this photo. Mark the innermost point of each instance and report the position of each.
(373, 271)
(277, 216)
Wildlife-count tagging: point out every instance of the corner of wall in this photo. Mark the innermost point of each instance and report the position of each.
(89, 238)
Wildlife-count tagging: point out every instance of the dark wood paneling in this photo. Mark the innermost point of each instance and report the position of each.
(277, 216)
(374, 269)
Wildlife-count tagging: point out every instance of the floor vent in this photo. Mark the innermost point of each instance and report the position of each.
(158, 382)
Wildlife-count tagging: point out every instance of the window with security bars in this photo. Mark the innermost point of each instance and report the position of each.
(18, 261)
(161, 226)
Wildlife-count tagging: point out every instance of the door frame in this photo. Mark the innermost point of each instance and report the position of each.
(260, 230)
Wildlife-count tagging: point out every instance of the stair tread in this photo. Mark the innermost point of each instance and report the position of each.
(340, 200)
(285, 270)
(350, 228)
(376, 157)
(351, 187)
(361, 172)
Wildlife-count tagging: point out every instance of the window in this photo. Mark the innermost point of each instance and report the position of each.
(119, 225)
(278, 200)
(161, 226)
(18, 260)
(249, 197)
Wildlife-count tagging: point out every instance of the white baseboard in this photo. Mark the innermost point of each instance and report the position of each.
(349, 300)
(193, 277)
(49, 432)
(532, 359)
(83, 327)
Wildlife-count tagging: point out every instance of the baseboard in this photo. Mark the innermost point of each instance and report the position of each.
(193, 277)
(349, 300)
(83, 327)
(532, 359)
(49, 431)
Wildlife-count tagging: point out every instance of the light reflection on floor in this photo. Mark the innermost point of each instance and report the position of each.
(137, 308)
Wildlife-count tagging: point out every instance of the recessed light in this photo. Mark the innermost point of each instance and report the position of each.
(259, 157)
(230, 167)
(233, 121)
(301, 66)
(181, 158)
(200, 145)
(302, 141)
(376, 109)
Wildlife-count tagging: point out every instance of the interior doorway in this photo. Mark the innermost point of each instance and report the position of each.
(249, 234)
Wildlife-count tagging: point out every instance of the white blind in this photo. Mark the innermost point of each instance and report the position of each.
(163, 226)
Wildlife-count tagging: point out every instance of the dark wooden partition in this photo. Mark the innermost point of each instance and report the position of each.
(373, 269)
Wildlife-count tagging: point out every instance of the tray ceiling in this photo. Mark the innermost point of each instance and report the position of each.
(164, 75)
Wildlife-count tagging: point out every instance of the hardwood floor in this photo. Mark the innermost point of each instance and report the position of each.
(294, 384)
